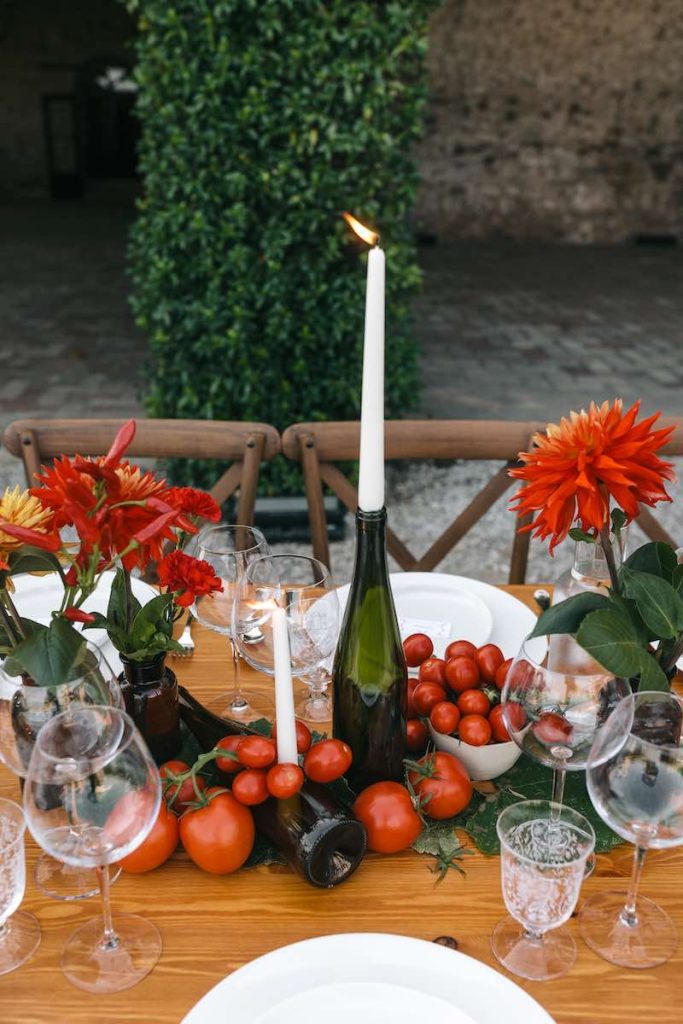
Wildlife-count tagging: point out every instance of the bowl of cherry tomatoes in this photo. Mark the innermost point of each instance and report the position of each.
(455, 700)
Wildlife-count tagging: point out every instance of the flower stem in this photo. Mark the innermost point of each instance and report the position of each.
(606, 545)
(11, 617)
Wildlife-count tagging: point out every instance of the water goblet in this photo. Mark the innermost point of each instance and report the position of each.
(229, 549)
(635, 781)
(19, 930)
(91, 796)
(553, 715)
(544, 849)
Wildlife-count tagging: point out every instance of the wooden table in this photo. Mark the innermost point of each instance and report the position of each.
(210, 925)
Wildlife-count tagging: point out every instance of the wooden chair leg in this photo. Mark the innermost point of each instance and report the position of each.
(520, 551)
(30, 455)
(314, 499)
(253, 453)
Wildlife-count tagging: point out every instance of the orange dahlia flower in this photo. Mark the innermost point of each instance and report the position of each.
(33, 523)
(590, 458)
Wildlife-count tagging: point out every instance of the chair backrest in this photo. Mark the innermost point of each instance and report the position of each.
(318, 446)
(646, 520)
(244, 445)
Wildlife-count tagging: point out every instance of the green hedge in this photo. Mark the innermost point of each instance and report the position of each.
(261, 120)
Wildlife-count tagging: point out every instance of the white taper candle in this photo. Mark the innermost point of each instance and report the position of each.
(371, 475)
(284, 695)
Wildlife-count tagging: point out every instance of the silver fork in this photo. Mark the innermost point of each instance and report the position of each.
(185, 639)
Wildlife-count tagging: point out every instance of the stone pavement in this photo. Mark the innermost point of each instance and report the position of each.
(506, 331)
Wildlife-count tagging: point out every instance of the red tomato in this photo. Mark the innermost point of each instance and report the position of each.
(514, 715)
(498, 727)
(284, 780)
(433, 670)
(489, 658)
(444, 716)
(417, 648)
(426, 695)
(501, 673)
(249, 787)
(417, 735)
(256, 752)
(327, 760)
(411, 710)
(157, 847)
(390, 819)
(229, 765)
(552, 729)
(444, 780)
(474, 702)
(460, 649)
(475, 730)
(179, 795)
(462, 674)
(303, 736)
(219, 836)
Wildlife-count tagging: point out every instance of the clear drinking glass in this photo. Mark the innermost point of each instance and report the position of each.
(635, 781)
(544, 849)
(19, 930)
(24, 709)
(302, 586)
(91, 796)
(229, 549)
(555, 714)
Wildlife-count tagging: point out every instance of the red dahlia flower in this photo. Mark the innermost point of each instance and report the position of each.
(187, 577)
(193, 503)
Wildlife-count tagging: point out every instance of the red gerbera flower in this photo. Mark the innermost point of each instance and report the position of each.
(576, 467)
(187, 577)
(193, 503)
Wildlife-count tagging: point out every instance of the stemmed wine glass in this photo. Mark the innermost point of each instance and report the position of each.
(24, 710)
(229, 549)
(553, 715)
(302, 586)
(635, 781)
(92, 795)
(19, 931)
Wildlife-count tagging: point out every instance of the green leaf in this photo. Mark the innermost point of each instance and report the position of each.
(152, 618)
(656, 558)
(116, 609)
(30, 559)
(581, 536)
(619, 520)
(677, 579)
(263, 726)
(652, 675)
(611, 638)
(658, 603)
(49, 654)
(567, 616)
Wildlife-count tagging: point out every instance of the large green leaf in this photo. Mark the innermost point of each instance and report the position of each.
(656, 558)
(49, 654)
(611, 638)
(659, 605)
(152, 619)
(118, 602)
(652, 676)
(30, 559)
(567, 616)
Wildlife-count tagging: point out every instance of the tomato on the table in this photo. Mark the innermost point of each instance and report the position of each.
(462, 674)
(445, 716)
(327, 760)
(426, 695)
(284, 780)
(460, 649)
(219, 836)
(433, 670)
(250, 786)
(411, 709)
(497, 723)
(229, 765)
(417, 648)
(474, 702)
(178, 795)
(442, 784)
(489, 658)
(501, 673)
(417, 735)
(475, 730)
(256, 752)
(514, 715)
(303, 736)
(157, 847)
(386, 810)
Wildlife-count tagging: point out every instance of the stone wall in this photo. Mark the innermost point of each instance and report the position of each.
(559, 120)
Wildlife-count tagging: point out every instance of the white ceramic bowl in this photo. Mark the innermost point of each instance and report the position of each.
(481, 762)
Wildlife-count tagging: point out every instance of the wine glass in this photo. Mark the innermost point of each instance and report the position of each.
(19, 930)
(229, 549)
(302, 586)
(92, 795)
(544, 849)
(24, 710)
(553, 715)
(635, 781)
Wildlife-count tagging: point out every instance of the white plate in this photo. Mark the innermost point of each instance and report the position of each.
(36, 597)
(385, 979)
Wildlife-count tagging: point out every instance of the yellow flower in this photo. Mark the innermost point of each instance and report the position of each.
(21, 509)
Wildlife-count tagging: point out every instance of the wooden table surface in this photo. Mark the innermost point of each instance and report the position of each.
(210, 925)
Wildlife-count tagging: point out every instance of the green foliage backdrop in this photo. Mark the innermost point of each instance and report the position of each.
(261, 121)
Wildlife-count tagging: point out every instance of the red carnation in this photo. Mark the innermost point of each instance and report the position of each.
(193, 503)
(187, 577)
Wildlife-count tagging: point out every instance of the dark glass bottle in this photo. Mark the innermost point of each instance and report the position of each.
(150, 694)
(318, 838)
(370, 674)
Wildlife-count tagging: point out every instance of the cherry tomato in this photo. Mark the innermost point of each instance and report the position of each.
(229, 765)
(433, 670)
(460, 649)
(417, 735)
(444, 716)
(475, 730)
(417, 648)
(249, 787)
(219, 836)
(474, 702)
(157, 847)
(179, 795)
(462, 674)
(256, 752)
(303, 736)
(514, 715)
(498, 727)
(284, 780)
(426, 695)
(386, 810)
(501, 673)
(411, 710)
(327, 760)
(444, 780)
(552, 729)
(489, 658)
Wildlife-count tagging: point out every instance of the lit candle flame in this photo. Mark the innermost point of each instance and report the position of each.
(369, 236)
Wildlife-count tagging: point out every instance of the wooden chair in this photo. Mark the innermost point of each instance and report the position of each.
(646, 519)
(318, 446)
(244, 445)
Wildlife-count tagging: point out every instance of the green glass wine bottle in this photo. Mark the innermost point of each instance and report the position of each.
(370, 674)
